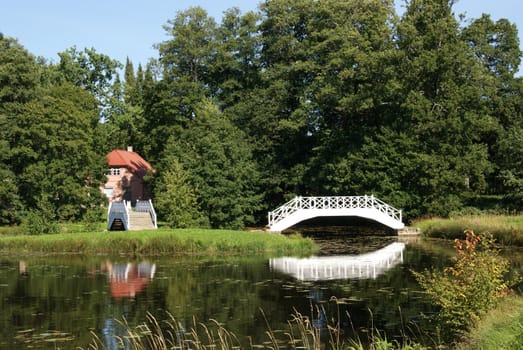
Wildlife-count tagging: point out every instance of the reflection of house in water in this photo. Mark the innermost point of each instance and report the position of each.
(129, 279)
(369, 265)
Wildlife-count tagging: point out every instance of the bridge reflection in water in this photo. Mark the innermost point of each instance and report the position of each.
(363, 266)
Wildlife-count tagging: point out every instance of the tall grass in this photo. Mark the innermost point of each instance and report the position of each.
(301, 334)
(171, 335)
(159, 242)
(506, 229)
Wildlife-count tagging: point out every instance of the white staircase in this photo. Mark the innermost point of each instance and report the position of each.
(140, 221)
(122, 217)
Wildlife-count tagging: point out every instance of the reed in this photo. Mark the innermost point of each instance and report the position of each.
(507, 229)
(159, 242)
(301, 334)
(171, 335)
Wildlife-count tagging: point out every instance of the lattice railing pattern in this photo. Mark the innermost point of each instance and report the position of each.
(334, 202)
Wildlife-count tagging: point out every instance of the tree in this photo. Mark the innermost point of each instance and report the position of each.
(89, 70)
(495, 44)
(189, 51)
(386, 166)
(220, 167)
(182, 69)
(175, 199)
(18, 86)
(496, 47)
(443, 88)
(125, 125)
(326, 83)
(236, 64)
(511, 165)
(56, 165)
(10, 204)
(19, 74)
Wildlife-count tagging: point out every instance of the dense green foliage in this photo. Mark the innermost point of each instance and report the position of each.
(175, 197)
(302, 97)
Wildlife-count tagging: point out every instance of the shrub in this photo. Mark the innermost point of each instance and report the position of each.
(92, 219)
(469, 288)
(37, 223)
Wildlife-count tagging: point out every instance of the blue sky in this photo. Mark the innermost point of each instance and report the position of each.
(130, 28)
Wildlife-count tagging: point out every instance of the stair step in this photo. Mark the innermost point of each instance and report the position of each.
(117, 225)
(139, 214)
(140, 221)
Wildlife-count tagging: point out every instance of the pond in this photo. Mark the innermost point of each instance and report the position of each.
(64, 301)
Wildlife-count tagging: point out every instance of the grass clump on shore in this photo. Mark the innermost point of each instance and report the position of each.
(507, 229)
(158, 242)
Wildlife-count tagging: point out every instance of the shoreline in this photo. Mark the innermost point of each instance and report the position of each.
(506, 229)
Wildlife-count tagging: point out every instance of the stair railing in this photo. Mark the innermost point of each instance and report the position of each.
(147, 206)
(118, 210)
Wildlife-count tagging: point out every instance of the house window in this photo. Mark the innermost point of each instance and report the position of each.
(115, 171)
(109, 192)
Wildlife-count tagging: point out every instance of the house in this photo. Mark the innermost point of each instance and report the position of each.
(125, 176)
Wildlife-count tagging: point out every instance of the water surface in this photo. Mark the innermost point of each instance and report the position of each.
(61, 301)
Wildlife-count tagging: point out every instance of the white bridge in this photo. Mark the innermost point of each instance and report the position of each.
(364, 266)
(304, 208)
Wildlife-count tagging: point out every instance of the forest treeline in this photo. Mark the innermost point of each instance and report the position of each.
(302, 97)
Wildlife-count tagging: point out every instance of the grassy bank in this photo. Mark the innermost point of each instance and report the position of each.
(502, 328)
(158, 242)
(507, 230)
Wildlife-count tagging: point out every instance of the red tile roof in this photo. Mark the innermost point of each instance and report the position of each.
(131, 160)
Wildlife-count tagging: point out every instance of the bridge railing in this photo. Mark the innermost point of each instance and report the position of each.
(333, 202)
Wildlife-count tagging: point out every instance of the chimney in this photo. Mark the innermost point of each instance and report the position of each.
(129, 148)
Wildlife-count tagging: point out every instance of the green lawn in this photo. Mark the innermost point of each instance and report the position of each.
(158, 242)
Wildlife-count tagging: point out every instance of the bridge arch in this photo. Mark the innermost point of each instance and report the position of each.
(303, 208)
